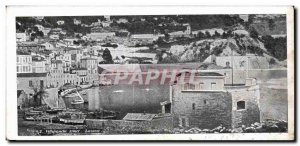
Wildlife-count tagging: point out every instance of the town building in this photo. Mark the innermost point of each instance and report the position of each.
(21, 37)
(40, 27)
(185, 33)
(54, 36)
(249, 61)
(76, 22)
(30, 47)
(28, 82)
(46, 30)
(38, 64)
(56, 74)
(24, 62)
(208, 103)
(66, 60)
(122, 20)
(49, 46)
(100, 35)
(60, 22)
(90, 64)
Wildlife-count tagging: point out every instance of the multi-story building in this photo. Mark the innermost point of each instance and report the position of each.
(56, 74)
(30, 47)
(24, 62)
(28, 82)
(38, 64)
(100, 35)
(66, 60)
(90, 64)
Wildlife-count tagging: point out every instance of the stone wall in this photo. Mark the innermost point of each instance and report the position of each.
(159, 123)
(202, 109)
(23, 83)
(251, 113)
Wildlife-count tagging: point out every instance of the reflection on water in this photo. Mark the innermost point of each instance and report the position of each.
(124, 98)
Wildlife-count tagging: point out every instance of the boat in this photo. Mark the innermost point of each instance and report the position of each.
(29, 118)
(67, 91)
(83, 92)
(80, 101)
(72, 121)
(85, 86)
(54, 110)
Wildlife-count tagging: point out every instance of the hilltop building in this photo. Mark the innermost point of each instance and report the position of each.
(249, 61)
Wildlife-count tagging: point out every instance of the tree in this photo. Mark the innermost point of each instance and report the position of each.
(201, 35)
(217, 34)
(271, 24)
(167, 37)
(224, 35)
(253, 33)
(207, 34)
(107, 56)
(272, 61)
(39, 96)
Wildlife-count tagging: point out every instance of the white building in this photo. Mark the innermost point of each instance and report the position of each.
(76, 22)
(60, 22)
(48, 46)
(145, 37)
(90, 64)
(38, 64)
(40, 27)
(249, 61)
(54, 36)
(21, 37)
(24, 62)
(122, 20)
(100, 35)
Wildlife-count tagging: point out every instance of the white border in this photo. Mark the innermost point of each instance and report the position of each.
(11, 87)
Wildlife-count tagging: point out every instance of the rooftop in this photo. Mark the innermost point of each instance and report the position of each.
(204, 74)
(56, 61)
(22, 53)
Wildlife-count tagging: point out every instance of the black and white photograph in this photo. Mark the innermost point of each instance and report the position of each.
(154, 74)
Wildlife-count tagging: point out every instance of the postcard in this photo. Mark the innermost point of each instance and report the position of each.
(150, 73)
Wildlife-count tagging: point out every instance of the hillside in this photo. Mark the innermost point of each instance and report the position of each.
(236, 45)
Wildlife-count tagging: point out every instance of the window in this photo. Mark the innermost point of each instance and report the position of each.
(213, 85)
(30, 83)
(188, 86)
(204, 101)
(193, 106)
(201, 85)
(227, 64)
(241, 105)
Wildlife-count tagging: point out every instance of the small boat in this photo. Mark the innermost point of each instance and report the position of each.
(72, 121)
(80, 101)
(85, 85)
(67, 91)
(54, 111)
(29, 118)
